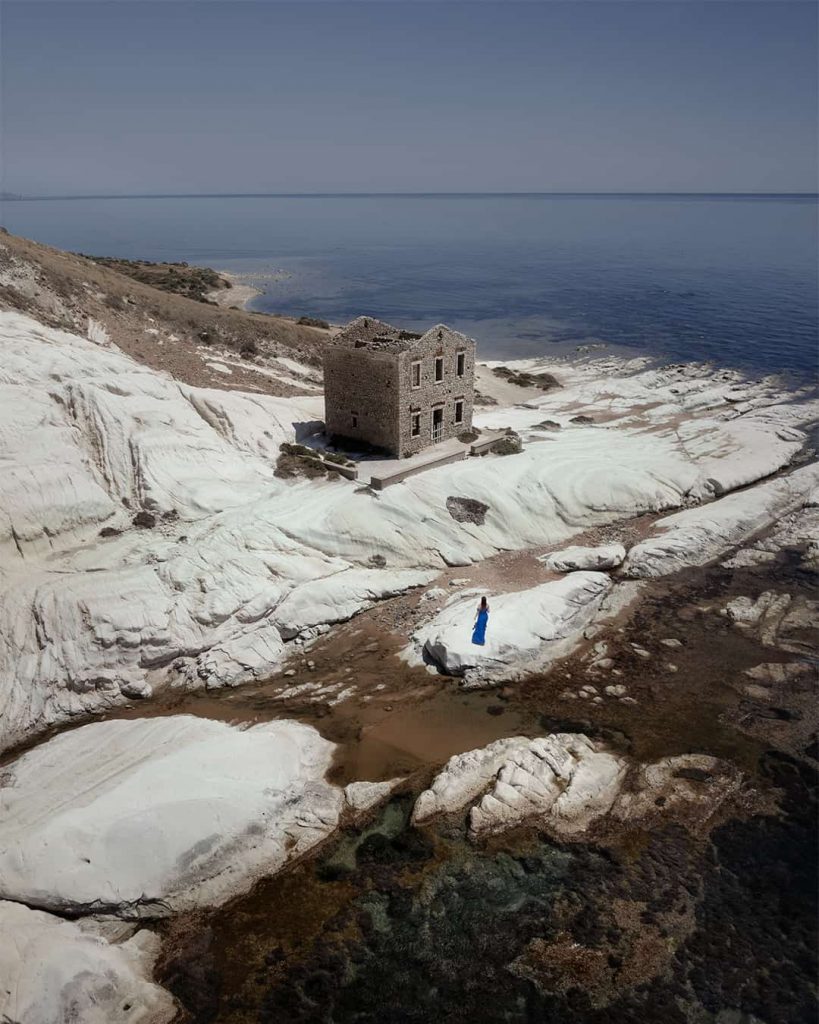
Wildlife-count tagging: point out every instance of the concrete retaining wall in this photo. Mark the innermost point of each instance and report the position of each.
(380, 482)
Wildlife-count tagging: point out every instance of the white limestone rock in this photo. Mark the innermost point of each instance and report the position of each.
(607, 556)
(363, 796)
(775, 673)
(748, 612)
(734, 431)
(54, 972)
(697, 783)
(464, 777)
(254, 654)
(567, 784)
(527, 628)
(747, 557)
(159, 815)
(563, 782)
(89, 437)
(701, 535)
(780, 620)
(340, 596)
(798, 531)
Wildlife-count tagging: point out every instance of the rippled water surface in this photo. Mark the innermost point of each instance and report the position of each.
(727, 278)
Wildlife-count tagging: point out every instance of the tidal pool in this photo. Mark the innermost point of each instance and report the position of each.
(393, 924)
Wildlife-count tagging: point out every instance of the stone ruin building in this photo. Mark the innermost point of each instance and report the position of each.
(396, 390)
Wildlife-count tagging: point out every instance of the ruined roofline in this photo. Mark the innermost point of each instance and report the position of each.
(377, 336)
(449, 334)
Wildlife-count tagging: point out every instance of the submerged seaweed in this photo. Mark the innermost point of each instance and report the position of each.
(397, 925)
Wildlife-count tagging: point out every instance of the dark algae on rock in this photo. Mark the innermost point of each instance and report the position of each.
(400, 925)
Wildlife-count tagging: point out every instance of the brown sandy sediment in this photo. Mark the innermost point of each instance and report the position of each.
(417, 720)
(158, 328)
(401, 720)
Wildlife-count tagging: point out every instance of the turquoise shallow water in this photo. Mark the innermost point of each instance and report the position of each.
(726, 278)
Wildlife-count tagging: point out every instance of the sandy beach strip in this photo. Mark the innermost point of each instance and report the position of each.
(238, 296)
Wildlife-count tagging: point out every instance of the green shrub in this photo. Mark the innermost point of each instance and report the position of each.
(511, 444)
(297, 449)
(339, 460)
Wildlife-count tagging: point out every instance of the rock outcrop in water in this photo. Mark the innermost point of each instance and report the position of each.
(565, 784)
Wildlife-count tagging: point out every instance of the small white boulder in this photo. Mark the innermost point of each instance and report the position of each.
(607, 556)
(527, 628)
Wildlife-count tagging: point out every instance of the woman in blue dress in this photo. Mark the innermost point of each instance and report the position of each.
(481, 619)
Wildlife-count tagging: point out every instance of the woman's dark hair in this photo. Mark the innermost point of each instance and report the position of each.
(483, 601)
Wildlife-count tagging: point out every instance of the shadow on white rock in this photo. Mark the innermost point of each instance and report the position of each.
(149, 816)
(701, 535)
(527, 628)
(54, 972)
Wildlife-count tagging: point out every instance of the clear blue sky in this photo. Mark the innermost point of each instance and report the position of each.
(234, 96)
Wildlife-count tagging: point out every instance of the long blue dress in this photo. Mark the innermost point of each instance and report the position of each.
(479, 632)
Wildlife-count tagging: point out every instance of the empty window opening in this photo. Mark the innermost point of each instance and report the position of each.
(439, 369)
(415, 376)
(461, 364)
(438, 423)
(354, 418)
(416, 424)
(459, 411)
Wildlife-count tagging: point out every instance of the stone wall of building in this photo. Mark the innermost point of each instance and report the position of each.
(361, 397)
(430, 394)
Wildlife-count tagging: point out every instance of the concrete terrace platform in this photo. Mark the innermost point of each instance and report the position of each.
(382, 473)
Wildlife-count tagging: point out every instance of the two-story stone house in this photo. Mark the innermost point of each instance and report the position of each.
(397, 390)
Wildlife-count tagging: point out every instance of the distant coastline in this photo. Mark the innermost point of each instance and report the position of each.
(238, 296)
(727, 279)
(17, 197)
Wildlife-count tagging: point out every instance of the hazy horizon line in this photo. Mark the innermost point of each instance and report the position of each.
(10, 196)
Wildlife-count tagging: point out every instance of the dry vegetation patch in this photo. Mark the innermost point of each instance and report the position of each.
(156, 313)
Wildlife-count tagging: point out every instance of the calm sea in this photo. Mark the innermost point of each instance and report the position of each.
(726, 278)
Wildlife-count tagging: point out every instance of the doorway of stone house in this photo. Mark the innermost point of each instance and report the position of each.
(438, 423)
